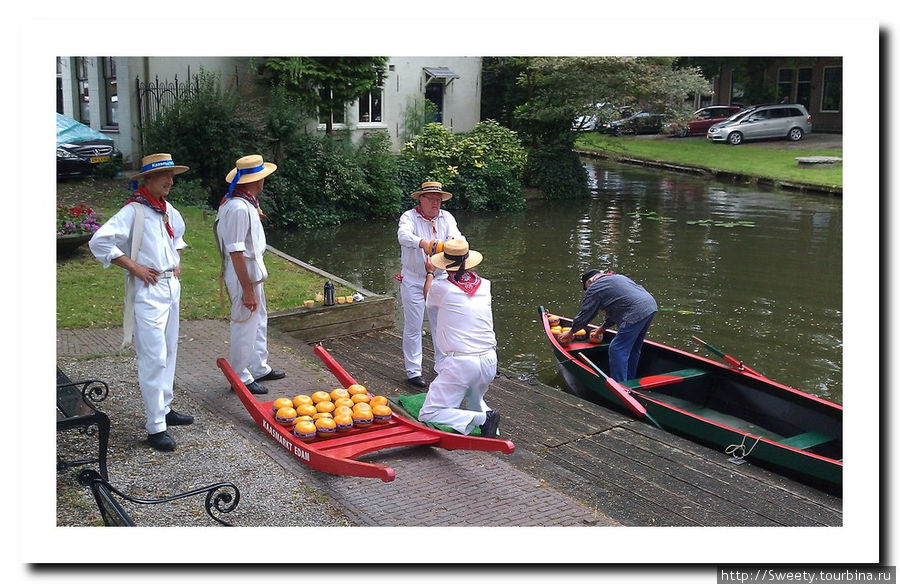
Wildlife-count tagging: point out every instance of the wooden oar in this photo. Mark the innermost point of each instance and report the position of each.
(620, 390)
(739, 365)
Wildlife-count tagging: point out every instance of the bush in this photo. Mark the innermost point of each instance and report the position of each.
(488, 188)
(192, 193)
(483, 169)
(320, 183)
(379, 165)
(558, 172)
(409, 173)
(206, 131)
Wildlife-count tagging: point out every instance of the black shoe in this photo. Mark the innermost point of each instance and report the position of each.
(257, 388)
(174, 418)
(491, 425)
(161, 441)
(418, 381)
(272, 375)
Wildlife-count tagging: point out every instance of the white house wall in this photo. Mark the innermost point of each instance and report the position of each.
(404, 80)
(462, 96)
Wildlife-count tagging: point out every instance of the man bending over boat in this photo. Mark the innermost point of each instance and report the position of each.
(627, 305)
(464, 333)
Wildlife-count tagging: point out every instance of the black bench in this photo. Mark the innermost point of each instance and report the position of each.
(220, 497)
(76, 403)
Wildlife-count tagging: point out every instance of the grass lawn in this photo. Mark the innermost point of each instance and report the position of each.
(771, 160)
(87, 295)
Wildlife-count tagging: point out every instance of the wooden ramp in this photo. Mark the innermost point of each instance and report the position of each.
(634, 473)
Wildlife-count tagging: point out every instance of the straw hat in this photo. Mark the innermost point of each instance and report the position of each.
(456, 250)
(156, 162)
(250, 169)
(432, 187)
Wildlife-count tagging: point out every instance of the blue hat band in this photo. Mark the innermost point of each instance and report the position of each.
(241, 172)
(158, 164)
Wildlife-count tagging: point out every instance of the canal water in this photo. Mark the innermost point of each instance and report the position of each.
(756, 273)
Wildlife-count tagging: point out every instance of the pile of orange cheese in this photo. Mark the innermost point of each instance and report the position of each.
(324, 414)
(580, 335)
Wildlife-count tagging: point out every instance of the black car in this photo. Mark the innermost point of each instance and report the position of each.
(79, 148)
(639, 123)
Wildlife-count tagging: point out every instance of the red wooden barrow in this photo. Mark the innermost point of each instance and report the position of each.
(337, 454)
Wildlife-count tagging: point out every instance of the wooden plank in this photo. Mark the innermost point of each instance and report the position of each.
(650, 483)
(717, 488)
(603, 489)
(344, 314)
(762, 487)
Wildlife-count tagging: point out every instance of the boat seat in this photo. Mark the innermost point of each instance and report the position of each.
(583, 345)
(806, 440)
(651, 381)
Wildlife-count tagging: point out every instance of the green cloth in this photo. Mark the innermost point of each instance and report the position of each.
(413, 403)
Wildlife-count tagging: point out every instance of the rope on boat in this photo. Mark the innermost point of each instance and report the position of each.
(739, 451)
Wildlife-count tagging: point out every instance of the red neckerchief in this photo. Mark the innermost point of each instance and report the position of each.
(143, 196)
(242, 194)
(468, 282)
(418, 209)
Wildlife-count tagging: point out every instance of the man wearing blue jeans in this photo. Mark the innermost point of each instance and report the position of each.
(627, 305)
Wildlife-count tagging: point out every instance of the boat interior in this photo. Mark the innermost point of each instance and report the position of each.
(727, 397)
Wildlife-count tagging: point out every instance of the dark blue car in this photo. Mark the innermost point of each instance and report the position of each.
(79, 148)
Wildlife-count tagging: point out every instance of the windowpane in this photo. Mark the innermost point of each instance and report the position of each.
(337, 117)
(376, 104)
(84, 97)
(804, 87)
(832, 89)
(112, 95)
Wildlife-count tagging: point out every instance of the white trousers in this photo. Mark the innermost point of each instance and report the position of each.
(156, 344)
(460, 377)
(249, 353)
(413, 317)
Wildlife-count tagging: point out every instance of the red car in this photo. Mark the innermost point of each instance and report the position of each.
(703, 119)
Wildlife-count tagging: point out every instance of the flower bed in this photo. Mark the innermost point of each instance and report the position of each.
(80, 219)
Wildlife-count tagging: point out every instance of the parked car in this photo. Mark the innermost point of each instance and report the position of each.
(780, 120)
(702, 120)
(79, 148)
(639, 123)
(589, 121)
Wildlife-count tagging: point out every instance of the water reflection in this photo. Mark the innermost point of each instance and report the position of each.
(768, 292)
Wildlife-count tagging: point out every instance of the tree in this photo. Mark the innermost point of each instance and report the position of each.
(326, 83)
(561, 88)
(550, 92)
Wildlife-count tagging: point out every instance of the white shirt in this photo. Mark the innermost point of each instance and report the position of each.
(465, 324)
(157, 251)
(240, 229)
(413, 228)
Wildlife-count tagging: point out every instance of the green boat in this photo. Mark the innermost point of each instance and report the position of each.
(729, 407)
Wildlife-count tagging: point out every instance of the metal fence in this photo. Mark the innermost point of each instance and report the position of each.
(154, 97)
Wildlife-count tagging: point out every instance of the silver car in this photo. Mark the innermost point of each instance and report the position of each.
(781, 120)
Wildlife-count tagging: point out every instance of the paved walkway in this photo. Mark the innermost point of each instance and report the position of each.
(432, 486)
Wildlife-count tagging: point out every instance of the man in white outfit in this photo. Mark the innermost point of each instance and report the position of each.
(422, 231)
(145, 238)
(242, 242)
(464, 332)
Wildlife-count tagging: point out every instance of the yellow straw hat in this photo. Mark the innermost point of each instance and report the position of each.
(157, 162)
(456, 251)
(432, 187)
(249, 169)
